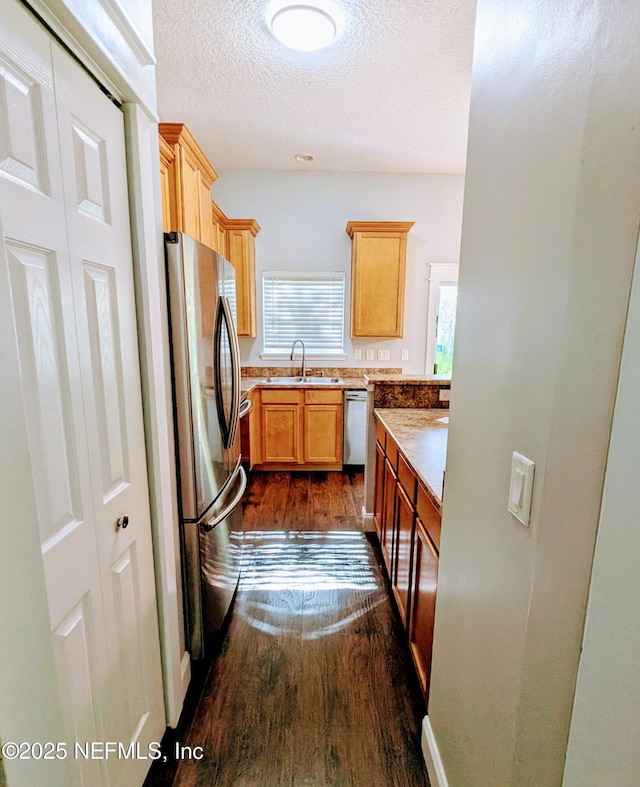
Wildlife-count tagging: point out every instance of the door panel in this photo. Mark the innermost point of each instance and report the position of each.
(129, 628)
(74, 649)
(21, 156)
(35, 289)
(107, 377)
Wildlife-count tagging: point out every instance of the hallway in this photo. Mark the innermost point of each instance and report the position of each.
(313, 685)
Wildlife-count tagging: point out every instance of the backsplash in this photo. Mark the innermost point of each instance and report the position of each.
(410, 394)
(312, 371)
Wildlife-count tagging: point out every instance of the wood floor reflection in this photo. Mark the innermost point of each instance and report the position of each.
(313, 684)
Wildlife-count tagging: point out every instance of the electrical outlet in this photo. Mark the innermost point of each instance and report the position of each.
(357, 355)
(383, 355)
(405, 355)
(445, 395)
(369, 355)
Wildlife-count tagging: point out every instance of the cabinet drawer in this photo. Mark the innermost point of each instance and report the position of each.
(381, 434)
(279, 396)
(407, 478)
(429, 516)
(392, 452)
(313, 396)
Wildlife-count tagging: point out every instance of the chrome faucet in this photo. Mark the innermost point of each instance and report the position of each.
(304, 362)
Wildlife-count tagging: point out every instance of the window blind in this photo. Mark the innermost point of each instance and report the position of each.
(303, 306)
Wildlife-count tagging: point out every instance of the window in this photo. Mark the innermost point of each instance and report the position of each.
(441, 317)
(303, 306)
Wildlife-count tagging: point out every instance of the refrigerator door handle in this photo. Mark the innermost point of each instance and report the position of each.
(209, 524)
(245, 407)
(225, 319)
(235, 360)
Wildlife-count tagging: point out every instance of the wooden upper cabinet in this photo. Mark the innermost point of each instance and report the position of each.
(241, 235)
(218, 230)
(186, 176)
(167, 157)
(378, 262)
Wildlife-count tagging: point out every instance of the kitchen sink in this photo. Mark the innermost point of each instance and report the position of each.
(304, 380)
(283, 380)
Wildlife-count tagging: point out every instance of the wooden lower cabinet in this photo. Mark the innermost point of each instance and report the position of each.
(378, 496)
(280, 424)
(405, 514)
(301, 427)
(388, 516)
(408, 526)
(250, 443)
(322, 433)
(423, 603)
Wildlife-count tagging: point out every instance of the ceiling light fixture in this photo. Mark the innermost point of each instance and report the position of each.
(305, 28)
(304, 157)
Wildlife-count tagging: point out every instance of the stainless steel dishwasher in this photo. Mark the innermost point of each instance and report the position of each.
(355, 427)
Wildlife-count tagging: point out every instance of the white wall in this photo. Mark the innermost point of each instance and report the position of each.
(303, 218)
(605, 729)
(549, 232)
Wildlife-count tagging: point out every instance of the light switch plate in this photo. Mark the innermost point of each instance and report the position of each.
(521, 488)
(405, 355)
(357, 355)
(369, 355)
(383, 355)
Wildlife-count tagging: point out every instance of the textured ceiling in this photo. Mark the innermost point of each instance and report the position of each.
(391, 95)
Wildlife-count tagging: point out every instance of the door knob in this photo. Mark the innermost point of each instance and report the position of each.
(122, 522)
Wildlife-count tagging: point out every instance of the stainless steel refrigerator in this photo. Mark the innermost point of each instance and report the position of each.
(206, 386)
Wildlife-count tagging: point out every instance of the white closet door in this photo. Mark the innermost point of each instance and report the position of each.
(95, 184)
(36, 253)
(65, 236)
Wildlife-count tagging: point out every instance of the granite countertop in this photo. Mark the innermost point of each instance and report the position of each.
(249, 383)
(421, 436)
(409, 379)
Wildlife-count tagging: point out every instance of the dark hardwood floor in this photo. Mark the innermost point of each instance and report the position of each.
(313, 684)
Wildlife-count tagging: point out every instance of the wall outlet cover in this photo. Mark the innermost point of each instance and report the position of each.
(405, 355)
(444, 395)
(370, 355)
(383, 355)
(357, 355)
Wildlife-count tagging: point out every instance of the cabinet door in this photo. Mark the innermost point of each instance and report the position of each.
(169, 208)
(378, 259)
(423, 604)
(241, 253)
(402, 548)
(323, 433)
(281, 433)
(190, 192)
(388, 515)
(205, 234)
(378, 494)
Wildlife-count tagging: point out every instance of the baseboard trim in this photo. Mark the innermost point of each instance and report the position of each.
(368, 525)
(435, 768)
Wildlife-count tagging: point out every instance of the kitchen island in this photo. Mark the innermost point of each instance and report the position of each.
(410, 456)
(421, 437)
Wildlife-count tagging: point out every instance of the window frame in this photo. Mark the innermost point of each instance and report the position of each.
(283, 353)
(439, 273)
